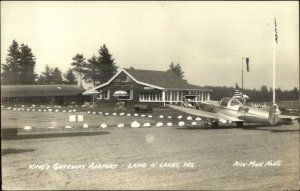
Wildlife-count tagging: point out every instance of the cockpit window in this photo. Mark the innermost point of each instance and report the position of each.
(224, 102)
(234, 102)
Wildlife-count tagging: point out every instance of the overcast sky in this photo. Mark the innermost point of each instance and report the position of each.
(208, 39)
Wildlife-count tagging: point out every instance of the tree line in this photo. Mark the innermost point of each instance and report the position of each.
(261, 95)
(19, 66)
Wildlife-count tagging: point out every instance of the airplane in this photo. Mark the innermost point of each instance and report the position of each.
(233, 110)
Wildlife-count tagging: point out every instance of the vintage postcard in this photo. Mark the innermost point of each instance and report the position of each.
(150, 95)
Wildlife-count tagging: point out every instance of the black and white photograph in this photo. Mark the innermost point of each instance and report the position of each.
(150, 95)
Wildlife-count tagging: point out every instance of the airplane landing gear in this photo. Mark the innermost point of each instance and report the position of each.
(239, 124)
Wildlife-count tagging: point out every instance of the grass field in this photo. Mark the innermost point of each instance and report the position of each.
(188, 157)
(43, 119)
(213, 153)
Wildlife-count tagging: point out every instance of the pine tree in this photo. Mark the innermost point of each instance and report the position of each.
(70, 77)
(79, 65)
(107, 65)
(93, 71)
(56, 76)
(27, 64)
(19, 66)
(50, 76)
(10, 68)
(46, 77)
(177, 70)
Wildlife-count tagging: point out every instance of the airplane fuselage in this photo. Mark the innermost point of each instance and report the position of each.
(245, 113)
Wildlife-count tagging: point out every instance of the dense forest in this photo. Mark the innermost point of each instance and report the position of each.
(264, 94)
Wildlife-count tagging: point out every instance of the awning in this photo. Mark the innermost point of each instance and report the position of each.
(120, 93)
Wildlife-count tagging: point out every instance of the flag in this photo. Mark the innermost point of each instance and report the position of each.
(276, 35)
(237, 93)
(247, 63)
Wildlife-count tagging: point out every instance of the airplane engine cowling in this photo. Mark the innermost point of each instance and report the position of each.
(274, 114)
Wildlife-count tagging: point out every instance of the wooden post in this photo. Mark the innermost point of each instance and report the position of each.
(164, 97)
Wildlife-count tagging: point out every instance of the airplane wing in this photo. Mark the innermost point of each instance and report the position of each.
(205, 114)
(288, 117)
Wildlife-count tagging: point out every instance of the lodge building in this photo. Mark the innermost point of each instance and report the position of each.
(155, 88)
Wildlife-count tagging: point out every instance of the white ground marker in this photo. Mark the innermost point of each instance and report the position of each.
(27, 128)
(135, 124)
(189, 118)
(159, 124)
(181, 123)
(146, 124)
(198, 119)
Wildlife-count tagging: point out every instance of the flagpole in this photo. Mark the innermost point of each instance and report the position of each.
(242, 74)
(274, 56)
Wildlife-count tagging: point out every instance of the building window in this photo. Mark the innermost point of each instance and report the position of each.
(107, 94)
(100, 96)
(129, 97)
(150, 96)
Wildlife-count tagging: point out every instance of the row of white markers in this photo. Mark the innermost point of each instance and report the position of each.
(100, 113)
(134, 124)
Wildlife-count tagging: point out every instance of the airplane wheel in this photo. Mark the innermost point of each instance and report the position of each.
(239, 124)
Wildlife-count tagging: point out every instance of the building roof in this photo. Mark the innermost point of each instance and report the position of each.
(164, 79)
(40, 90)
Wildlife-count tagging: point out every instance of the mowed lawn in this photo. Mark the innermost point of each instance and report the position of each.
(43, 119)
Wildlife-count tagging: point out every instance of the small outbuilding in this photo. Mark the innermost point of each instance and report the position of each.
(42, 94)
